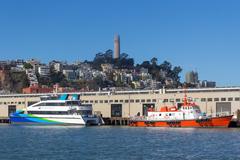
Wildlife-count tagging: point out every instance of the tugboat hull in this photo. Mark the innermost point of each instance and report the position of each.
(210, 122)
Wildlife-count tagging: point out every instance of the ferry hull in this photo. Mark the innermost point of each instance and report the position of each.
(31, 119)
(211, 122)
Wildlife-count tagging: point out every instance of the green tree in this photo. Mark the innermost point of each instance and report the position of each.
(154, 61)
(27, 66)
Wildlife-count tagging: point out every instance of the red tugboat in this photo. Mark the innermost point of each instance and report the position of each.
(188, 115)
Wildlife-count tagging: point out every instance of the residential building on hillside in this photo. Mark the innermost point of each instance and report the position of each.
(44, 70)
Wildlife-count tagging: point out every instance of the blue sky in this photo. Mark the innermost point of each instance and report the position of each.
(200, 35)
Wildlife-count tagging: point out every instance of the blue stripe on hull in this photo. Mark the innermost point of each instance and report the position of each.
(18, 119)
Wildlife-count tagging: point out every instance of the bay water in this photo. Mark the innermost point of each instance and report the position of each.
(112, 143)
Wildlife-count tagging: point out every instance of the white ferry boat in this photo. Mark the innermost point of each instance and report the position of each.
(62, 112)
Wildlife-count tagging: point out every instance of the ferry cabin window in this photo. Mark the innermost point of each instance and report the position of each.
(137, 100)
(105, 101)
(96, 101)
(110, 101)
(121, 100)
(40, 104)
(131, 100)
(154, 100)
(230, 99)
(216, 99)
(126, 101)
(49, 112)
(73, 103)
(148, 100)
(85, 112)
(55, 104)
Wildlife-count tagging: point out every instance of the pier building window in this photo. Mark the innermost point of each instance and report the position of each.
(216, 99)
(96, 101)
(101, 101)
(142, 100)
(110, 101)
(178, 100)
(148, 100)
(116, 101)
(131, 100)
(5, 103)
(19, 102)
(11, 109)
(106, 101)
(223, 99)
(126, 101)
(223, 108)
(209, 99)
(230, 99)
(91, 101)
(237, 99)
(154, 100)
(116, 110)
(165, 100)
(121, 100)
(137, 100)
(203, 99)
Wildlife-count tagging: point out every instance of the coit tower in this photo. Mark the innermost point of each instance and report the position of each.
(116, 47)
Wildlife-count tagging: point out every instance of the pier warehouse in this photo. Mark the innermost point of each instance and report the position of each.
(212, 101)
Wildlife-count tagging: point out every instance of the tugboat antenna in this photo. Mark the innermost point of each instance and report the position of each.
(185, 103)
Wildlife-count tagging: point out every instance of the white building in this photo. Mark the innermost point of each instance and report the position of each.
(69, 74)
(44, 70)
